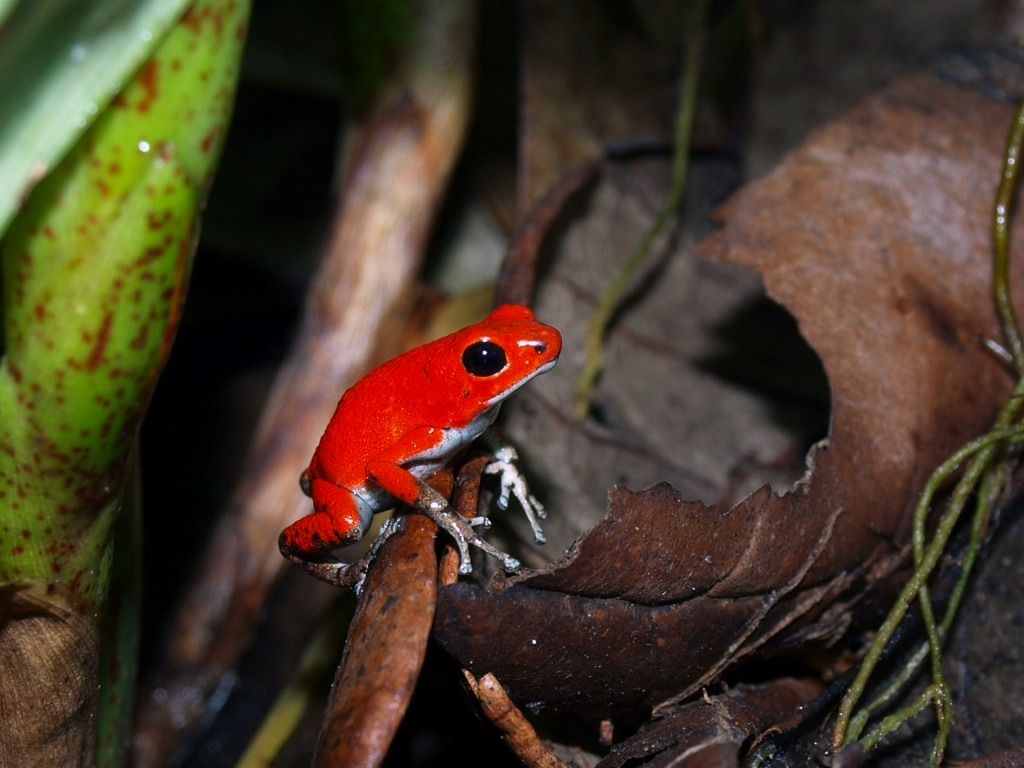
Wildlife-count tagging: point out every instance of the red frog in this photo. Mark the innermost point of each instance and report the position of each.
(407, 419)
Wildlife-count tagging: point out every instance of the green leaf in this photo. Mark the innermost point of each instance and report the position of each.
(94, 271)
(6, 6)
(61, 62)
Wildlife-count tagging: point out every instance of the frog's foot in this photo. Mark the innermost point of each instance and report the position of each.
(347, 575)
(461, 530)
(513, 483)
(391, 526)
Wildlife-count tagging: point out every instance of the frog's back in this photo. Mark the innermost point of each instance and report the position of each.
(372, 415)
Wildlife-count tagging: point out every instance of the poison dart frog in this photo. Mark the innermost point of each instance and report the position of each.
(404, 421)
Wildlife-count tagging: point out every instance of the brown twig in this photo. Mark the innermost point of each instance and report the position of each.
(520, 736)
(385, 648)
(519, 268)
(466, 500)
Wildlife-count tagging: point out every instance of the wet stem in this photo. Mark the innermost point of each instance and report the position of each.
(988, 460)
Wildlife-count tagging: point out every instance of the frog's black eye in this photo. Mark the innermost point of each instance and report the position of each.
(484, 358)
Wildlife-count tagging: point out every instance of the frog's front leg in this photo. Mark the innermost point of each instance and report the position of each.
(513, 483)
(387, 472)
(461, 530)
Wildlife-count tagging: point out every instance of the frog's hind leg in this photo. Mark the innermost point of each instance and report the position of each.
(338, 519)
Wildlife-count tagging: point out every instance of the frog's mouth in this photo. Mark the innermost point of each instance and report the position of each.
(505, 393)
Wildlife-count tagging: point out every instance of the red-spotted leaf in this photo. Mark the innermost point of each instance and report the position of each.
(94, 271)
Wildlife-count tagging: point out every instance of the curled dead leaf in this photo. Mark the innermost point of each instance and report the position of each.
(48, 678)
(875, 236)
(711, 731)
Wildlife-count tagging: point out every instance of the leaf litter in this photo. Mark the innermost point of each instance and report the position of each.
(874, 236)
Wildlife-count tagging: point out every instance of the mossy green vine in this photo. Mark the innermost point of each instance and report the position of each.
(984, 464)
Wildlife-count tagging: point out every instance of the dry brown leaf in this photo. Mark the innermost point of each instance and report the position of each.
(45, 645)
(875, 236)
(712, 731)
(641, 434)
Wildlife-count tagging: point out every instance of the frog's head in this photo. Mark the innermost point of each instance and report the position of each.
(503, 351)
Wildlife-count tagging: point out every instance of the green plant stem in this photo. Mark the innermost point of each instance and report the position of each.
(900, 716)
(986, 492)
(983, 474)
(989, 488)
(601, 319)
(1001, 241)
(979, 472)
(120, 650)
(978, 448)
